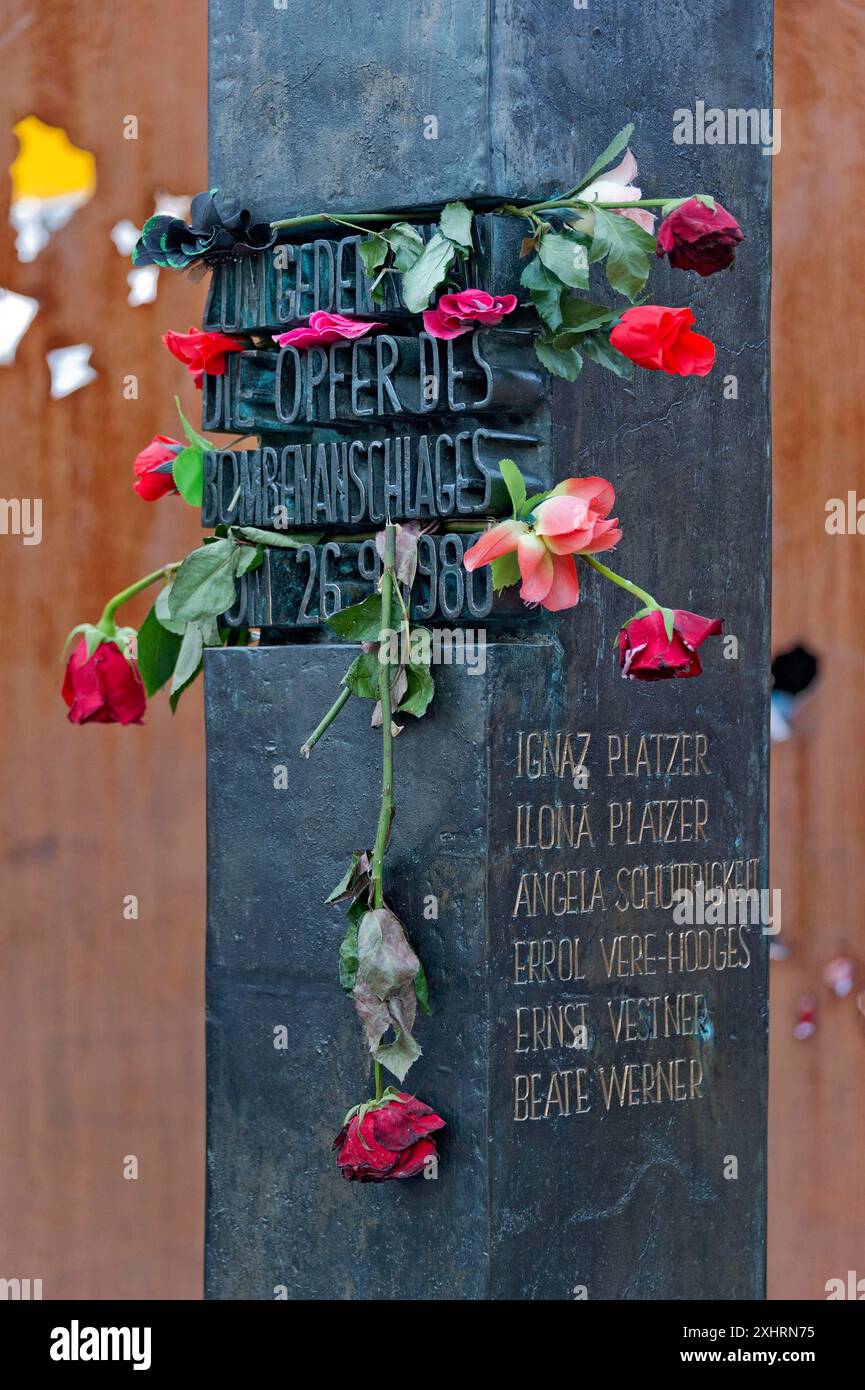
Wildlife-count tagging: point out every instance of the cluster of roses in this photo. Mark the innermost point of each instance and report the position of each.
(389, 1138)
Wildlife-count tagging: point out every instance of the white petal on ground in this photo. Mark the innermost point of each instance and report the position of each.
(17, 312)
(70, 369)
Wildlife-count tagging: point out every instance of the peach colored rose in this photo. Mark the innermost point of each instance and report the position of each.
(573, 520)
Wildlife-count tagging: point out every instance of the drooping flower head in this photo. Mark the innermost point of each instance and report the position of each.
(105, 687)
(387, 1140)
(646, 653)
(697, 237)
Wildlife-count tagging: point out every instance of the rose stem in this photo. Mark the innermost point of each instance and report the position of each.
(341, 699)
(106, 623)
(622, 583)
(386, 812)
(311, 217)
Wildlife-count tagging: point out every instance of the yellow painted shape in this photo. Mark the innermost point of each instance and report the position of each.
(48, 165)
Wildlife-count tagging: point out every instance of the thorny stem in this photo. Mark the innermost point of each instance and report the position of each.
(106, 623)
(507, 210)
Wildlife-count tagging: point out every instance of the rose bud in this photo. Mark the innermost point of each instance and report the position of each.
(104, 688)
(660, 339)
(202, 352)
(647, 654)
(389, 1140)
(460, 313)
(153, 468)
(696, 237)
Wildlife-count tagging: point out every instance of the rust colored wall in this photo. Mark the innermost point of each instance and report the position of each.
(101, 1019)
(817, 1110)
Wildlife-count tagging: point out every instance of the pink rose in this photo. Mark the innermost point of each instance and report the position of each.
(325, 328)
(573, 520)
(458, 313)
(617, 186)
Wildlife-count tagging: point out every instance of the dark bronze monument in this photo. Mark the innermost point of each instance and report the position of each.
(600, 1068)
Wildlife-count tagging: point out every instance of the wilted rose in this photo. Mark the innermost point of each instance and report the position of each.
(696, 237)
(647, 654)
(104, 688)
(389, 1140)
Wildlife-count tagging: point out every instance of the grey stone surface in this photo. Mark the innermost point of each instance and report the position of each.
(323, 106)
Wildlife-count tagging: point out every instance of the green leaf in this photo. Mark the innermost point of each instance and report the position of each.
(626, 248)
(514, 482)
(342, 887)
(617, 144)
(506, 571)
(175, 695)
(421, 989)
(406, 243)
(566, 258)
(385, 958)
(421, 688)
(362, 676)
(188, 658)
(581, 316)
(373, 252)
(361, 622)
(565, 362)
(669, 622)
(456, 224)
(249, 558)
(205, 583)
(157, 652)
(428, 271)
(191, 435)
(188, 473)
(348, 958)
(163, 613)
(598, 347)
(281, 540)
(546, 292)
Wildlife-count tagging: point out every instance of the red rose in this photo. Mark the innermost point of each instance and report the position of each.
(661, 340)
(202, 352)
(645, 653)
(389, 1141)
(104, 688)
(152, 479)
(459, 313)
(696, 238)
